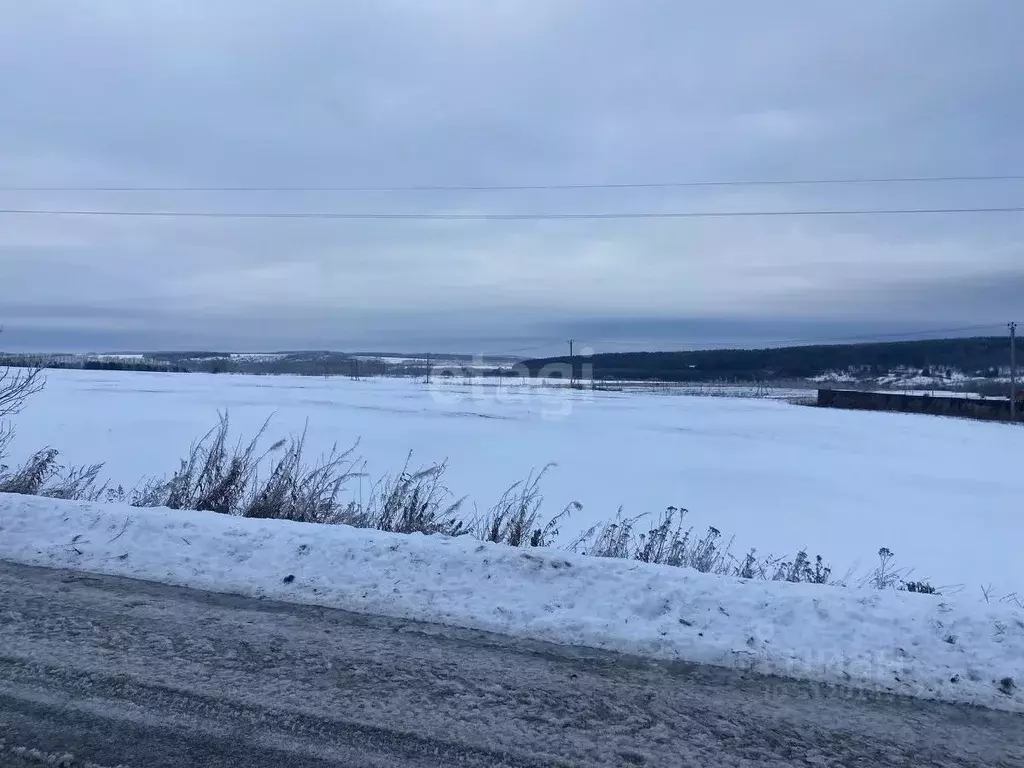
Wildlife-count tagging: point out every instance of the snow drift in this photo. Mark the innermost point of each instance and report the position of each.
(921, 645)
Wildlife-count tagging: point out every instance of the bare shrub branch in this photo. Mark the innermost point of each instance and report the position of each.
(16, 386)
(6, 436)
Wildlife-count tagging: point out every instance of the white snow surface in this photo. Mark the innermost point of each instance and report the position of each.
(918, 645)
(917, 380)
(836, 376)
(945, 495)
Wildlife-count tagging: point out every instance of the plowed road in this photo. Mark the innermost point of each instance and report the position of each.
(108, 671)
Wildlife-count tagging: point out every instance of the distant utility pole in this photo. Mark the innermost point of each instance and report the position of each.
(572, 366)
(1013, 371)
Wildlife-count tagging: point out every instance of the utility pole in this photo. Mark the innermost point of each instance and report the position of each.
(1013, 371)
(572, 366)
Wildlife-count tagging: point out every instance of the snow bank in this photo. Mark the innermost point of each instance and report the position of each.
(903, 643)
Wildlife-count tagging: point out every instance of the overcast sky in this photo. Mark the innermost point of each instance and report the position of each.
(304, 93)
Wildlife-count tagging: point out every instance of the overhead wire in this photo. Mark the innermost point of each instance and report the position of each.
(337, 215)
(537, 216)
(537, 187)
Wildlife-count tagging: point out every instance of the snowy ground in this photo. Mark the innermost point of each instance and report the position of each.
(920, 645)
(910, 380)
(943, 494)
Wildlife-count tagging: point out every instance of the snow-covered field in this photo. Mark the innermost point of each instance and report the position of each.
(945, 495)
(922, 645)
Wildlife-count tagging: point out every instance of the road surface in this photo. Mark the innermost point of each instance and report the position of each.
(105, 671)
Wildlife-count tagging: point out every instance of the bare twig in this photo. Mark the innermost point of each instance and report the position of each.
(16, 386)
(124, 527)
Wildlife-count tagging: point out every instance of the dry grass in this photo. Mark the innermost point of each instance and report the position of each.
(665, 541)
(516, 519)
(279, 482)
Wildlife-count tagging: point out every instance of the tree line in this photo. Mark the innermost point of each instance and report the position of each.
(977, 356)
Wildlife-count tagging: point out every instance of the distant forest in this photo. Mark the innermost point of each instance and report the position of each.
(311, 363)
(21, 360)
(984, 357)
(978, 356)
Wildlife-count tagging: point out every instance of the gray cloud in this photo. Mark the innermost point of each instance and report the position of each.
(458, 92)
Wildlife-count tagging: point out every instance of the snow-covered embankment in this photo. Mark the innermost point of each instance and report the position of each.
(914, 644)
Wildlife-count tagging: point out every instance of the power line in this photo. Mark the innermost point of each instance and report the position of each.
(508, 216)
(537, 187)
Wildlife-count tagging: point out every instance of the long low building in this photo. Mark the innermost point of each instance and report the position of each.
(989, 408)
